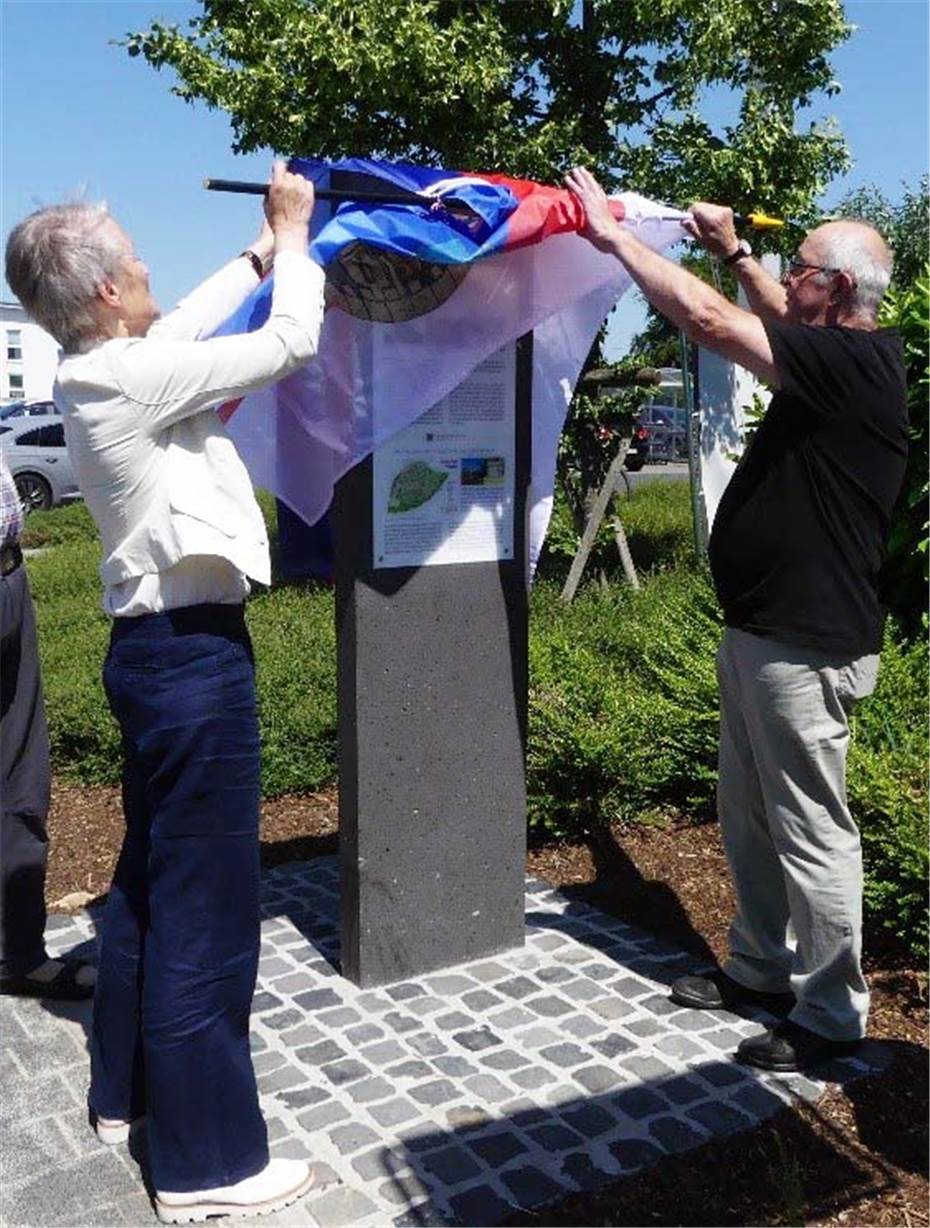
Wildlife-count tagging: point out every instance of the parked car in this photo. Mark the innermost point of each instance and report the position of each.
(27, 409)
(638, 452)
(38, 459)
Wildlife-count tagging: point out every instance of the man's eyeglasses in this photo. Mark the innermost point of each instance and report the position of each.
(796, 266)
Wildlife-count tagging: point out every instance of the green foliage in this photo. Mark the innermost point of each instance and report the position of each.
(905, 225)
(526, 88)
(906, 572)
(68, 523)
(656, 521)
(887, 786)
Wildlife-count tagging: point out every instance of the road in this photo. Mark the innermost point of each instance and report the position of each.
(674, 471)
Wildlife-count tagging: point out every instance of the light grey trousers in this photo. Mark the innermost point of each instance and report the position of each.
(792, 846)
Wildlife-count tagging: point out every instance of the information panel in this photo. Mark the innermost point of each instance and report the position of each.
(443, 489)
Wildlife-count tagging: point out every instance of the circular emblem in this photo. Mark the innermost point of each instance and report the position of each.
(386, 287)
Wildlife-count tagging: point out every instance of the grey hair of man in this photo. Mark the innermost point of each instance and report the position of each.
(55, 260)
(855, 247)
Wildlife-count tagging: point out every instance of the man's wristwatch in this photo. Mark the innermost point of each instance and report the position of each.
(741, 250)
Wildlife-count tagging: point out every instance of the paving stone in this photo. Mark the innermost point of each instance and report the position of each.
(276, 1129)
(373, 1003)
(322, 1115)
(532, 1078)
(477, 1039)
(535, 1038)
(282, 1020)
(549, 1006)
(646, 1027)
(281, 1079)
(480, 1000)
(597, 1078)
(424, 1007)
(758, 1100)
(438, 1092)
(29, 1097)
(496, 1148)
(340, 1073)
(488, 1087)
(320, 1054)
(613, 1045)
(512, 1017)
(352, 1137)
(412, 1068)
(406, 989)
(487, 971)
(426, 1045)
(480, 1205)
(267, 1061)
(422, 1215)
(452, 1165)
(634, 1153)
(719, 1118)
(303, 1097)
(639, 1102)
(590, 1120)
(549, 942)
(646, 1067)
(393, 1112)
(265, 1002)
(467, 1117)
(400, 1022)
(565, 1054)
(724, 1038)
(581, 1169)
(517, 987)
(678, 1046)
(682, 1090)
(341, 1207)
(317, 1000)
(581, 990)
(523, 1112)
(370, 1089)
(553, 1136)
(339, 1017)
(383, 1052)
(364, 1033)
(530, 1187)
(526, 961)
(599, 972)
(630, 987)
(721, 1074)
(295, 983)
(453, 1066)
(306, 1034)
(582, 1026)
(504, 1059)
(694, 1021)
(402, 1188)
(289, 1148)
(611, 1008)
(674, 1135)
(447, 985)
(455, 1019)
(658, 1005)
(806, 1089)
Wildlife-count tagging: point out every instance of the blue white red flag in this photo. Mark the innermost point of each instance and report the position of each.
(417, 298)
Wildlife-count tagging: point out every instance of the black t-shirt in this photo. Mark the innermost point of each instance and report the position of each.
(800, 533)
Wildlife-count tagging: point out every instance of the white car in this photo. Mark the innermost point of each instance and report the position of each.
(38, 459)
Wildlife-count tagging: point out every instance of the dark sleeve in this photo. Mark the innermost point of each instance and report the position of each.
(813, 364)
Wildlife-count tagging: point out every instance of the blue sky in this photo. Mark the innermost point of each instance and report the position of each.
(79, 115)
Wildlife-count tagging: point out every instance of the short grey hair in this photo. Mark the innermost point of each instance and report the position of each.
(55, 260)
(854, 250)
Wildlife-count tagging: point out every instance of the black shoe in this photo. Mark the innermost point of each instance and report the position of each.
(718, 992)
(64, 986)
(788, 1047)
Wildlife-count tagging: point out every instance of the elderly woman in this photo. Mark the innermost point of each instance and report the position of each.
(182, 535)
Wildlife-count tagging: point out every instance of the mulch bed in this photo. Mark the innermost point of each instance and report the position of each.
(857, 1157)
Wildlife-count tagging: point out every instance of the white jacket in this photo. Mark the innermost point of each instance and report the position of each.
(161, 477)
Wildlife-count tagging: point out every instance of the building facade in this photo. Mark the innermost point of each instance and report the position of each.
(28, 357)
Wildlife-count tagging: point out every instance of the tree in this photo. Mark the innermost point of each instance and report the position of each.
(525, 87)
(530, 88)
(905, 225)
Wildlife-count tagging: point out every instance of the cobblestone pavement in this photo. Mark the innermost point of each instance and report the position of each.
(448, 1099)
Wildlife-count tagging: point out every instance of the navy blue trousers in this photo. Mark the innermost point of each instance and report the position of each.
(180, 938)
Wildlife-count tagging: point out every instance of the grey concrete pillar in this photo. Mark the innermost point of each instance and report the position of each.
(432, 735)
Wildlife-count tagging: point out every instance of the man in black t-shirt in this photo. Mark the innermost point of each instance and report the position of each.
(797, 544)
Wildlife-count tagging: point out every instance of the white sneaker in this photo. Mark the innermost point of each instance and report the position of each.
(280, 1183)
(112, 1131)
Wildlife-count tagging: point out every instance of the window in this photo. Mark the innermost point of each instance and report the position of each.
(43, 437)
(14, 345)
(15, 381)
